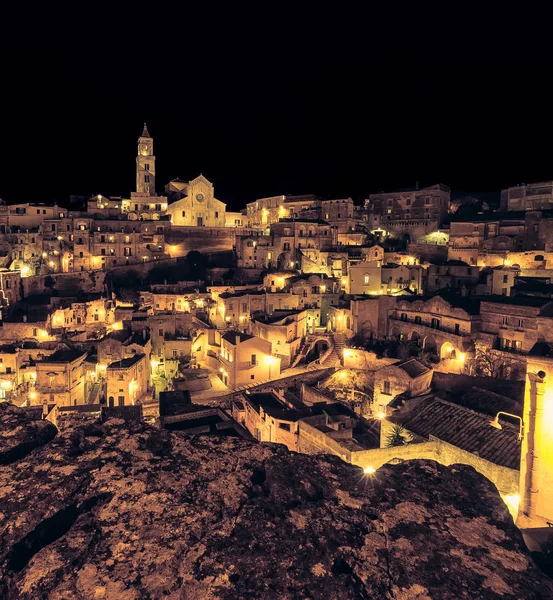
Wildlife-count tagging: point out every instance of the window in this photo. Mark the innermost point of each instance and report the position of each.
(435, 323)
(521, 323)
(184, 213)
(366, 279)
(418, 320)
(457, 328)
(146, 179)
(403, 317)
(95, 317)
(386, 387)
(147, 167)
(216, 214)
(254, 360)
(285, 426)
(161, 332)
(121, 400)
(504, 320)
(505, 278)
(503, 291)
(408, 202)
(253, 377)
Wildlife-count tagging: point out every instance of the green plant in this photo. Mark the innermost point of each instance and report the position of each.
(398, 436)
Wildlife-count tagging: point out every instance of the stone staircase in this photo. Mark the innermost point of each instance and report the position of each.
(94, 393)
(334, 357)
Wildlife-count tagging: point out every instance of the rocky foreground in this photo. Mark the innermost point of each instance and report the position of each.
(121, 511)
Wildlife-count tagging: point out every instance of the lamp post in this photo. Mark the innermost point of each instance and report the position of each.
(495, 422)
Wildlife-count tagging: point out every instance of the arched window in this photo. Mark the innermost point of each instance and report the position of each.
(538, 257)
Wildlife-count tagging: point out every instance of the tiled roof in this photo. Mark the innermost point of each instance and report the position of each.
(413, 368)
(461, 427)
(489, 403)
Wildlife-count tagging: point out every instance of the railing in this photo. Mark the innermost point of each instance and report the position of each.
(429, 326)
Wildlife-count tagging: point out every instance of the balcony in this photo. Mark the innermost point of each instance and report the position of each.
(427, 329)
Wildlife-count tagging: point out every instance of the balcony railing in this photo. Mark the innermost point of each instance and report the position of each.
(430, 327)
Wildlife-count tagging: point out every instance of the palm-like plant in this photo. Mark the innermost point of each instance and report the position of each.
(398, 436)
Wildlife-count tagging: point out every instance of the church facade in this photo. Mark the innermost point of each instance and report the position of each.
(195, 204)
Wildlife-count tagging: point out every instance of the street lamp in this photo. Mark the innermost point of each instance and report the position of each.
(495, 422)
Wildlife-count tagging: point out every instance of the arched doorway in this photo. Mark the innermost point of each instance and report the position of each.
(447, 351)
(415, 338)
(430, 345)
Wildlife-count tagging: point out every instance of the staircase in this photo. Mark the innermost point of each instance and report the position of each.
(334, 356)
(306, 347)
(94, 393)
(339, 340)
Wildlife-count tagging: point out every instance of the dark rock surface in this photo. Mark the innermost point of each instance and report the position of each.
(19, 435)
(124, 511)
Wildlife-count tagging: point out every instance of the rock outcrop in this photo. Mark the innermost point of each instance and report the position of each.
(20, 434)
(125, 511)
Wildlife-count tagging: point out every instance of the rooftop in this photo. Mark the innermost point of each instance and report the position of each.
(274, 407)
(125, 363)
(64, 356)
(413, 368)
(461, 427)
(235, 337)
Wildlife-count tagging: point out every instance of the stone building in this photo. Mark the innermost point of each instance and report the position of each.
(264, 211)
(236, 309)
(289, 240)
(127, 380)
(415, 212)
(60, 378)
(408, 379)
(533, 196)
(285, 330)
(455, 275)
(513, 325)
(374, 278)
(442, 325)
(245, 359)
(268, 418)
(195, 205)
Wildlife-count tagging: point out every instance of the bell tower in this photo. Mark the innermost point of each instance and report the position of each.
(146, 164)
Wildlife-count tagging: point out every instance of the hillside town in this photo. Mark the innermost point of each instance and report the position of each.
(417, 324)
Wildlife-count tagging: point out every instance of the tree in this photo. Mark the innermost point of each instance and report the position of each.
(398, 436)
(487, 362)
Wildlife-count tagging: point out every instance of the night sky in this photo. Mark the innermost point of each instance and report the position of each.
(275, 102)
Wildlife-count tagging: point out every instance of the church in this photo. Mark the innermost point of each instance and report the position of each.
(194, 203)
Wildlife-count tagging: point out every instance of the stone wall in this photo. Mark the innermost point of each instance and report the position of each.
(71, 283)
(505, 480)
(179, 241)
